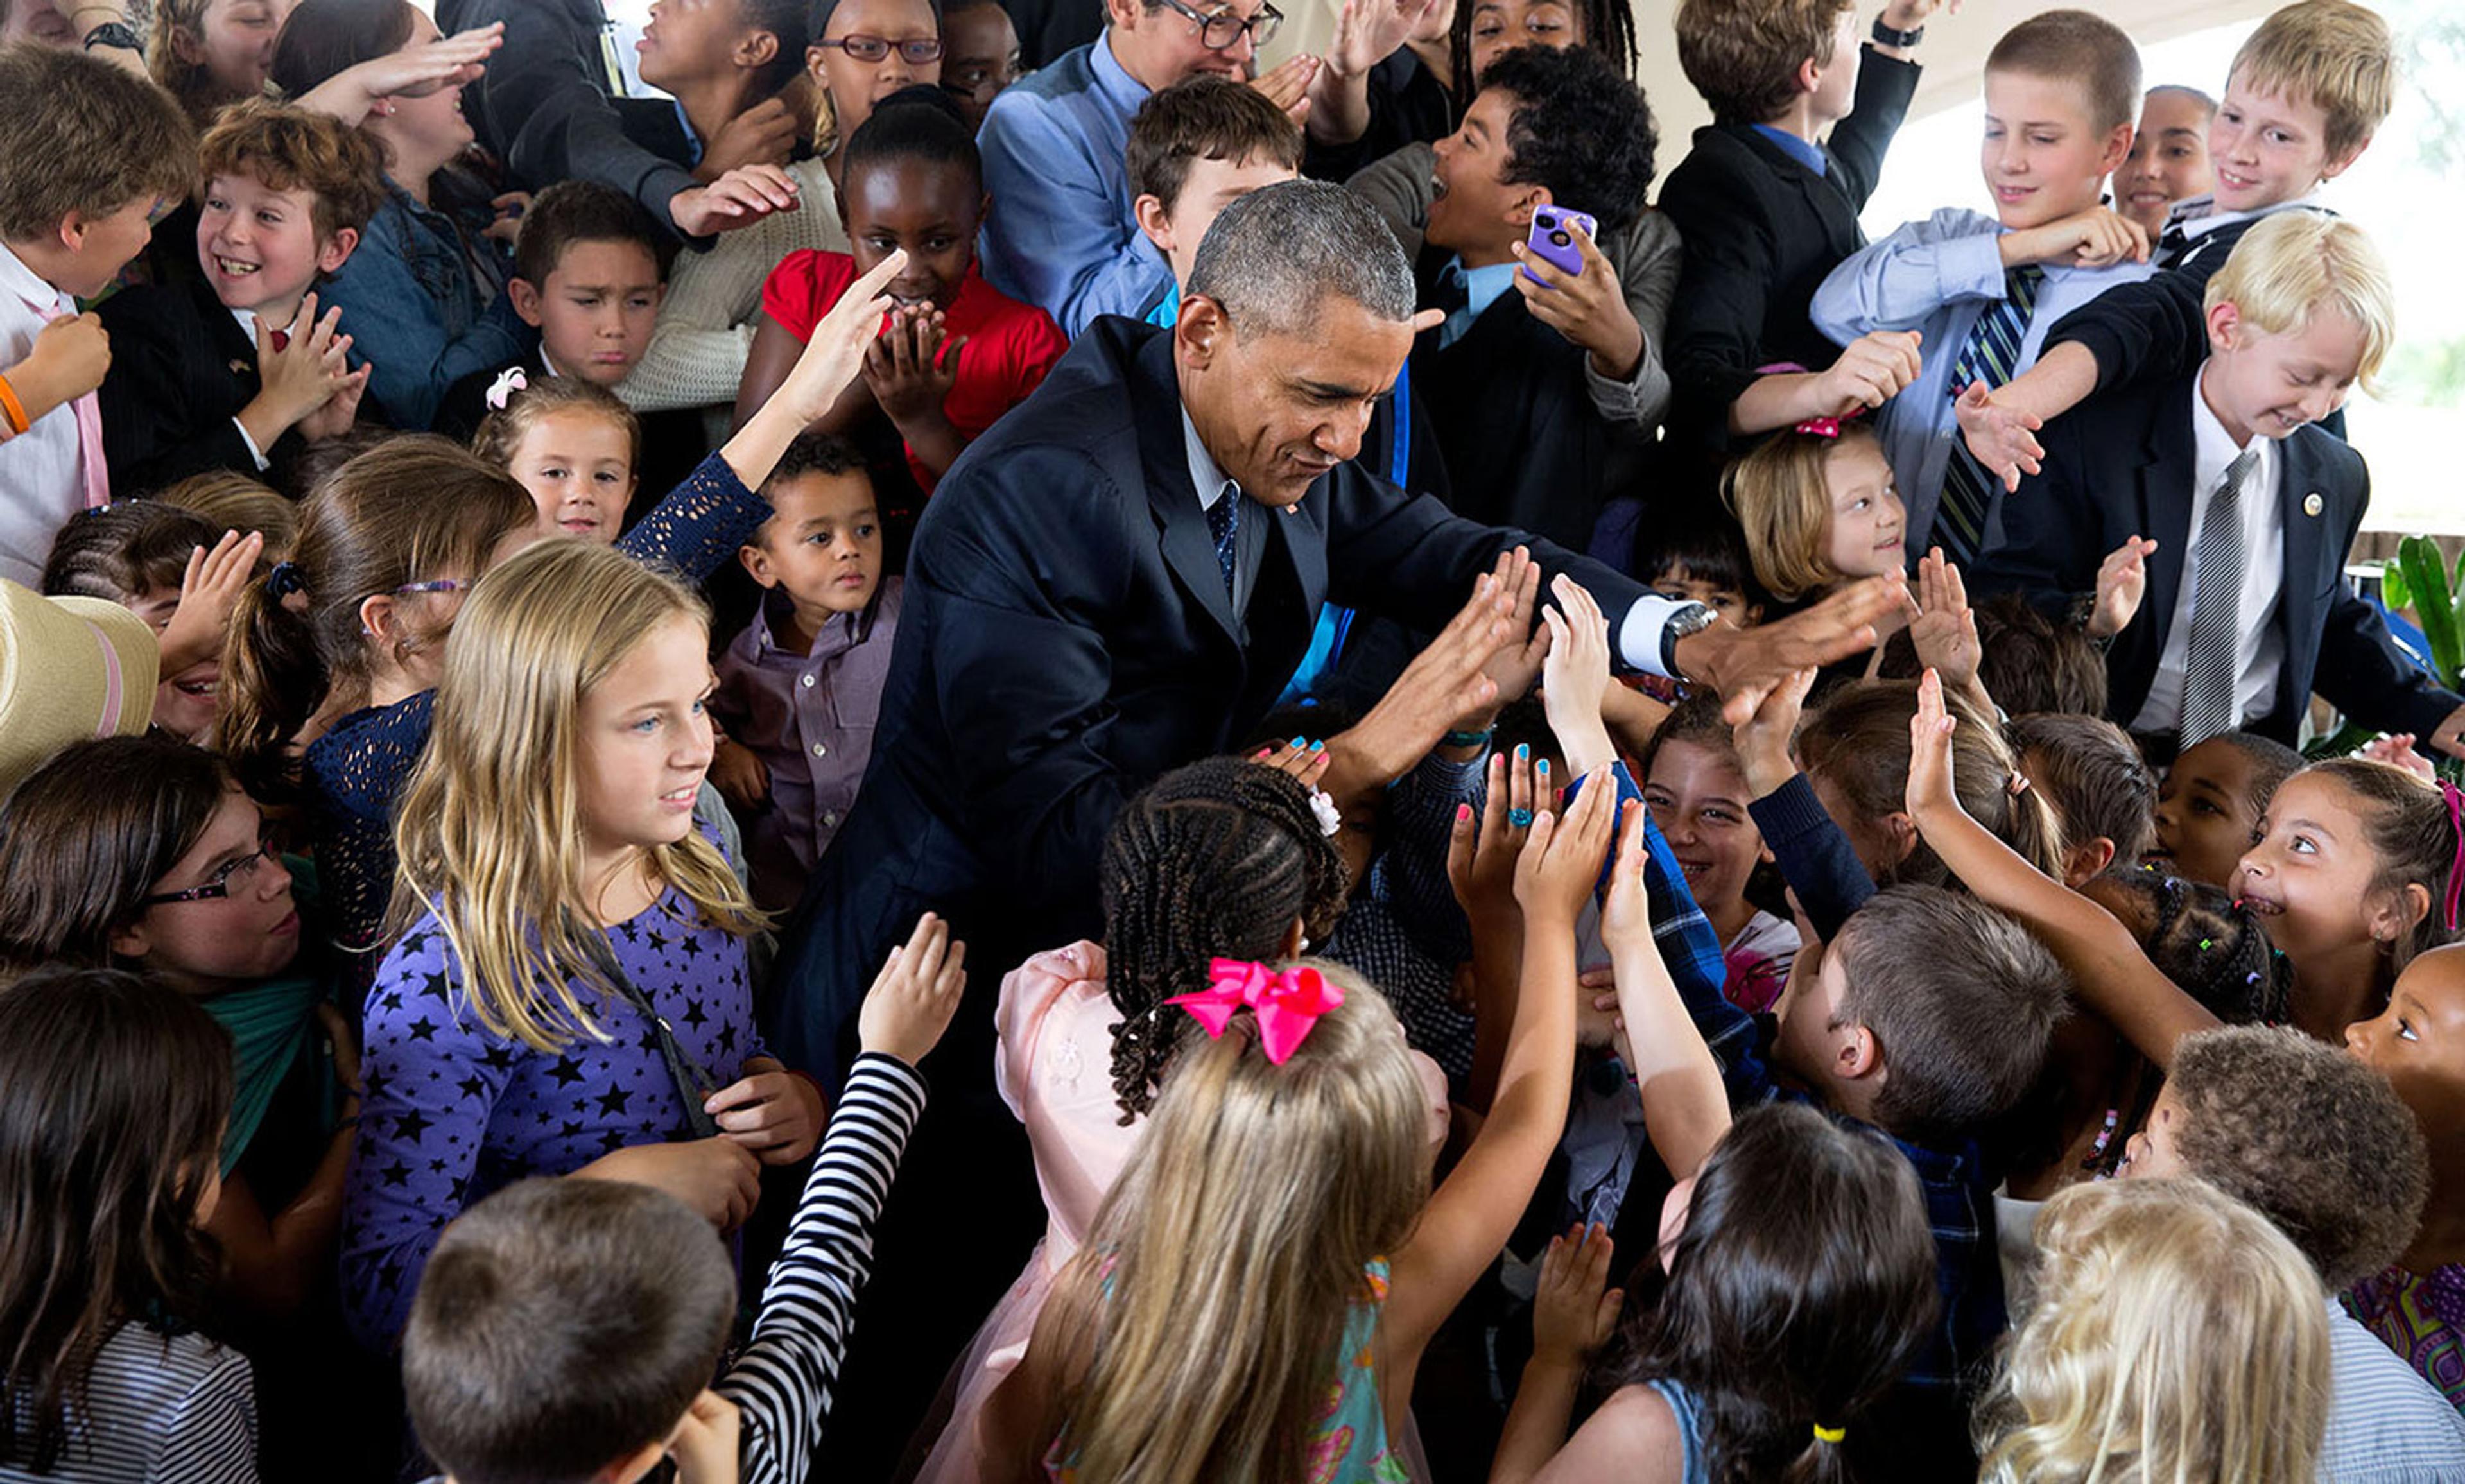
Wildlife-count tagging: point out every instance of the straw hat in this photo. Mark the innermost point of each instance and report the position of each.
(70, 669)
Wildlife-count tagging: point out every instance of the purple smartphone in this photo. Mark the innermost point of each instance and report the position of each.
(1552, 238)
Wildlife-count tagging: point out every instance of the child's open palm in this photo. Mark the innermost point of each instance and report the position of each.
(1481, 862)
(1930, 767)
(1574, 1311)
(911, 367)
(1562, 861)
(835, 352)
(2122, 581)
(1626, 912)
(916, 993)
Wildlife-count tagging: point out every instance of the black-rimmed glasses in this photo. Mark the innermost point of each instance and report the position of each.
(916, 51)
(1221, 30)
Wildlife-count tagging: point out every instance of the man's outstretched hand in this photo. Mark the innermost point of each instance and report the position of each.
(1745, 664)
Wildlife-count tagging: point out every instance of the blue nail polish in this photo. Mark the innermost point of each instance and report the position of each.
(1301, 741)
(1317, 746)
(1523, 752)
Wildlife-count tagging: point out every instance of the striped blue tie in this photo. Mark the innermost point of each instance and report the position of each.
(1991, 355)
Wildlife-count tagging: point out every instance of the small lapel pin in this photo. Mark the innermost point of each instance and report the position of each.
(1292, 509)
(2313, 504)
(239, 367)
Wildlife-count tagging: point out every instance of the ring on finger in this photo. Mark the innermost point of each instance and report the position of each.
(1519, 819)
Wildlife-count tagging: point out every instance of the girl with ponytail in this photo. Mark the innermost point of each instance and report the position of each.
(1223, 858)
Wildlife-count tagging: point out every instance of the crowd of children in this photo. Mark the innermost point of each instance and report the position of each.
(455, 534)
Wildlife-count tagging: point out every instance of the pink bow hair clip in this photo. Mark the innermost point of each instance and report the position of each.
(501, 390)
(1288, 1003)
(1820, 426)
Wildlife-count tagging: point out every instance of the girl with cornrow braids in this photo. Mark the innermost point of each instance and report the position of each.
(1223, 858)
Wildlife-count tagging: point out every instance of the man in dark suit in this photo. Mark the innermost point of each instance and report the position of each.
(2252, 511)
(1118, 579)
(1766, 212)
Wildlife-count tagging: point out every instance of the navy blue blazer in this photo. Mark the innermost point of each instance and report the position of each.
(1066, 637)
(2121, 465)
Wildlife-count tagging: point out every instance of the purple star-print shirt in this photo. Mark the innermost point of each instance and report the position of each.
(453, 1113)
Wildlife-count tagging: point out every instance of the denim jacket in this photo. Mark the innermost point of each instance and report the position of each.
(414, 304)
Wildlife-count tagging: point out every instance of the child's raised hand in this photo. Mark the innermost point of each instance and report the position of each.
(1763, 739)
(1515, 665)
(739, 776)
(771, 1112)
(1574, 1311)
(2397, 751)
(1944, 630)
(738, 198)
(916, 993)
(1288, 86)
(763, 134)
(1930, 781)
(1626, 912)
(69, 356)
(1443, 683)
(1561, 863)
(2002, 439)
(209, 592)
(708, 1444)
(835, 352)
(1576, 675)
(2122, 581)
(1481, 862)
(910, 367)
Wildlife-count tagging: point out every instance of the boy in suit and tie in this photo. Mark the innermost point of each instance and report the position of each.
(1981, 291)
(234, 368)
(1765, 211)
(2302, 101)
(2252, 509)
(1501, 376)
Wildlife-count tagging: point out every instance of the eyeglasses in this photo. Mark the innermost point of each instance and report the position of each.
(1219, 31)
(219, 884)
(434, 584)
(917, 51)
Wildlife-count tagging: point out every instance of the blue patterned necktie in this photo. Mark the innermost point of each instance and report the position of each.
(1224, 523)
(2210, 673)
(1990, 355)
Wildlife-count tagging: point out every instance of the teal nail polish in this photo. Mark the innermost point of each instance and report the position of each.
(1523, 752)
(1301, 741)
(1317, 746)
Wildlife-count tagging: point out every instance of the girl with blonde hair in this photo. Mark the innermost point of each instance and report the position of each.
(1257, 1292)
(2178, 1337)
(572, 995)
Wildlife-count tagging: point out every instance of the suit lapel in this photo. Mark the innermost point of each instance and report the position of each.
(2298, 591)
(2168, 461)
(233, 348)
(1188, 548)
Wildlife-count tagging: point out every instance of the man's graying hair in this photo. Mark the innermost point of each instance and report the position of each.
(1274, 253)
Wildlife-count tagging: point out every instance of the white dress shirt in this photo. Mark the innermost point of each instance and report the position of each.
(1636, 636)
(2260, 649)
(42, 469)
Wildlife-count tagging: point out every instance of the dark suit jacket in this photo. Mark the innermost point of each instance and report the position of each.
(2119, 466)
(1524, 444)
(544, 106)
(1066, 638)
(1761, 232)
(180, 369)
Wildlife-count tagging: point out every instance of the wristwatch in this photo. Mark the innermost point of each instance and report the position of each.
(114, 34)
(1885, 35)
(1691, 618)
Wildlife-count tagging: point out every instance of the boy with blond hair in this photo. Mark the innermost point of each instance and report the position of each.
(2302, 99)
(93, 151)
(1982, 291)
(2252, 509)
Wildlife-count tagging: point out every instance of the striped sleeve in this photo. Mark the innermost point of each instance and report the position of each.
(209, 1436)
(782, 1382)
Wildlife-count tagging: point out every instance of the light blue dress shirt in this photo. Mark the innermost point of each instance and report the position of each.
(1061, 234)
(1937, 276)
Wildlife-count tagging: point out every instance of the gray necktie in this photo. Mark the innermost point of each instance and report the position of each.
(2210, 673)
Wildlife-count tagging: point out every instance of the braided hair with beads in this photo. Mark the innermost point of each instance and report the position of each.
(1218, 859)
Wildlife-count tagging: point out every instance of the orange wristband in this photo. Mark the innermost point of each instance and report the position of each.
(12, 409)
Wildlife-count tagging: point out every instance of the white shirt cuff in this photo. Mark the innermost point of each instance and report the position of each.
(253, 451)
(1638, 634)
